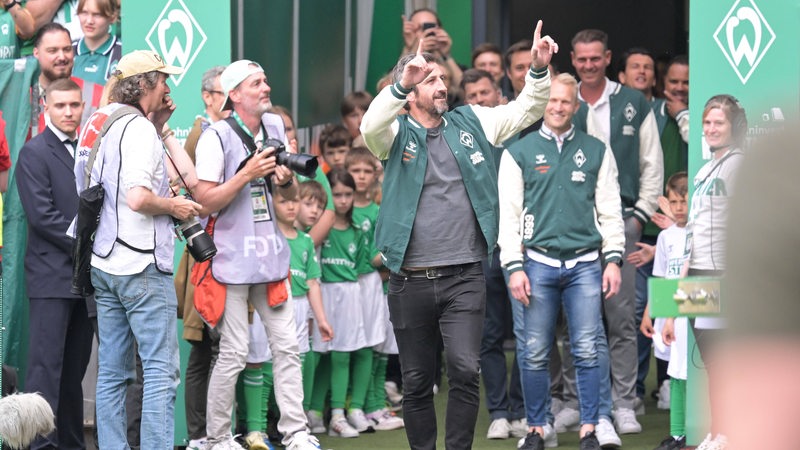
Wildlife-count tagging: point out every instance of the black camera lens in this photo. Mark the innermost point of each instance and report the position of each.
(199, 243)
(303, 164)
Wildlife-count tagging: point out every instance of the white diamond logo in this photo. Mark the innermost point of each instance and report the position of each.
(579, 158)
(744, 36)
(177, 37)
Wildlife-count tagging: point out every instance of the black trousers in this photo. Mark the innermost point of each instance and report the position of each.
(198, 371)
(421, 310)
(60, 344)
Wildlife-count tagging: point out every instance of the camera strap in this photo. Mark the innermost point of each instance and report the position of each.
(113, 117)
(180, 176)
(248, 142)
(243, 135)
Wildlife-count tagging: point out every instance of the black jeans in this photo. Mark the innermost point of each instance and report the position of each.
(421, 310)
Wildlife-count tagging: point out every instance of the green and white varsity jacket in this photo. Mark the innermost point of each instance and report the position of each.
(636, 146)
(561, 204)
(471, 131)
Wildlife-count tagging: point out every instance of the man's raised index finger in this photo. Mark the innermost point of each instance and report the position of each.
(419, 48)
(537, 34)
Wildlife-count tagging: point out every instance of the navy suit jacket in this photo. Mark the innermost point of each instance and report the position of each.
(46, 184)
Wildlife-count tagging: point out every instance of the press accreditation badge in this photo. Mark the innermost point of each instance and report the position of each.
(258, 198)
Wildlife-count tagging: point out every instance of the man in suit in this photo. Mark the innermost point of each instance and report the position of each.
(60, 332)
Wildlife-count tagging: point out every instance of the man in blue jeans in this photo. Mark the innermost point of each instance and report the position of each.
(560, 223)
(132, 254)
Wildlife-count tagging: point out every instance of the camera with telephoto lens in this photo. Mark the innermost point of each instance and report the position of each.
(303, 164)
(199, 243)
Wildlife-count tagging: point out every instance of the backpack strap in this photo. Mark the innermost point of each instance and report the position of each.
(113, 117)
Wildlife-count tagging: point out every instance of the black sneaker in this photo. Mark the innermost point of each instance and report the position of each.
(670, 443)
(533, 441)
(589, 442)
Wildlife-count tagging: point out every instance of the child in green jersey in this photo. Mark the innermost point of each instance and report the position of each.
(362, 165)
(341, 251)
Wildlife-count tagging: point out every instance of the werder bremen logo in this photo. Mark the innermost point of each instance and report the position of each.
(177, 37)
(744, 37)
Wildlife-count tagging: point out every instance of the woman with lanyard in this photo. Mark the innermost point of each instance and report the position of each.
(724, 130)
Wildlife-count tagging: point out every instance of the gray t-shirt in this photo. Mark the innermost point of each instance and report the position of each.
(445, 231)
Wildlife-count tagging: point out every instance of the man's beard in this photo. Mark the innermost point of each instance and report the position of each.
(57, 73)
(438, 107)
(263, 108)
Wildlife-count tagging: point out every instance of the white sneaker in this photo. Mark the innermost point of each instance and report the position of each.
(303, 441)
(625, 421)
(392, 392)
(663, 395)
(226, 443)
(341, 428)
(197, 444)
(550, 436)
(567, 419)
(256, 440)
(718, 443)
(358, 420)
(519, 428)
(315, 422)
(385, 420)
(606, 435)
(707, 443)
(721, 442)
(499, 429)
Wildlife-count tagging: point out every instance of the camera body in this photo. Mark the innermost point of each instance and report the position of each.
(199, 243)
(305, 165)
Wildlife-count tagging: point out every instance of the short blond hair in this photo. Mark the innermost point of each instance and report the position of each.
(567, 80)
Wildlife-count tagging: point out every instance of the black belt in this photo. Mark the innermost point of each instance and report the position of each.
(433, 273)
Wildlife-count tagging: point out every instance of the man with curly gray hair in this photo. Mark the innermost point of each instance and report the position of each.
(133, 250)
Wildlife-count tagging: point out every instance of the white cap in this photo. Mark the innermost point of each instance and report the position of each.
(233, 75)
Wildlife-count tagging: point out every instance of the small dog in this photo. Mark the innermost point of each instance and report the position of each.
(23, 417)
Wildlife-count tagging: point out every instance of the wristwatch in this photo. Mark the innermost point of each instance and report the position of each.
(8, 6)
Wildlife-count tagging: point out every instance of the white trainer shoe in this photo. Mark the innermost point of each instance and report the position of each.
(499, 429)
(226, 443)
(315, 422)
(718, 443)
(197, 444)
(385, 420)
(568, 419)
(550, 436)
(393, 393)
(625, 421)
(341, 428)
(706, 444)
(606, 435)
(303, 441)
(358, 420)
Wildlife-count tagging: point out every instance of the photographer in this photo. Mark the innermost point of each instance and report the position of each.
(133, 252)
(237, 173)
(424, 25)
